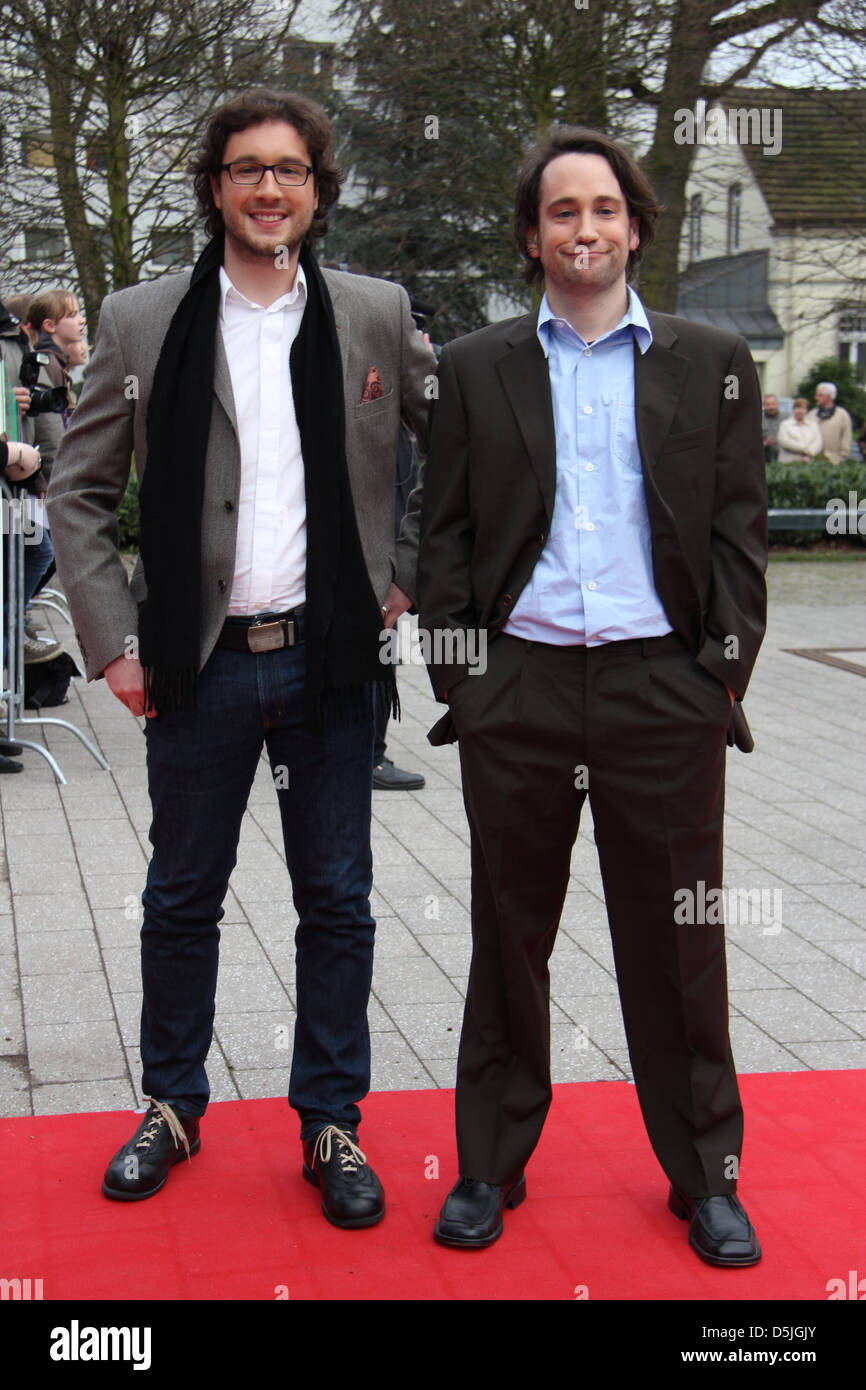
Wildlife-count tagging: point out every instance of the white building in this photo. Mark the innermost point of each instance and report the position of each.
(774, 241)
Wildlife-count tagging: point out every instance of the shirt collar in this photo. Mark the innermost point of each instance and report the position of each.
(296, 295)
(634, 318)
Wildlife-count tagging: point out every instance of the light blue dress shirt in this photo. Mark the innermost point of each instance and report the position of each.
(593, 582)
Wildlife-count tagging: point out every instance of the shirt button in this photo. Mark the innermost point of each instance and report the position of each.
(587, 352)
(587, 410)
(590, 526)
(590, 467)
(592, 584)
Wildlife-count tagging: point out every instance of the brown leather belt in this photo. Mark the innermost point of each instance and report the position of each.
(267, 632)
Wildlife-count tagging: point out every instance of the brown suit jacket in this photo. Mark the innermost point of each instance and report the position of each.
(490, 481)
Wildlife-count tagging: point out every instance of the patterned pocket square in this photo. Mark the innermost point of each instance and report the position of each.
(373, 388)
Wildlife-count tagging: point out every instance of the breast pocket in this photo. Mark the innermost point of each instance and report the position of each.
(625, 434)
(371, 410)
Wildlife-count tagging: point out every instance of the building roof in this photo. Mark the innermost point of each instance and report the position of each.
(819, 175)
(731, 292)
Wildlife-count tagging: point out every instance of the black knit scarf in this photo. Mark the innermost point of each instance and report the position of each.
(342, 616)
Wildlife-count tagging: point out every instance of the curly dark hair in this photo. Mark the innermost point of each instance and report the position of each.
(578, 139)
(253, 107)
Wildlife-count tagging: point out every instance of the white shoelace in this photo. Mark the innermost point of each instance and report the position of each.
(167, 1116)
(350, 1154)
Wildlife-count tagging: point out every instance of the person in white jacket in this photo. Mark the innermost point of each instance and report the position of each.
(799, 439)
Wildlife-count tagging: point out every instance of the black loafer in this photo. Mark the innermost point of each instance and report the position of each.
(140, 1168)
(720, 1231)
(388, 778)
(471, 1216)
(352, 1195)
(10, 750)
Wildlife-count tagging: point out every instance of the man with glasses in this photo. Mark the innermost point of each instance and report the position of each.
(262, 398)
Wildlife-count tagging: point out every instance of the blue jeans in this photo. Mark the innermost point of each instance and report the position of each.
(201, 766)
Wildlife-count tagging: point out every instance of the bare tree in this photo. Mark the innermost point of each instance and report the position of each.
(102, 103)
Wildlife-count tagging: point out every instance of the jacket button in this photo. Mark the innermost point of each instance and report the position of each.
(221, 585)
(506, 600)
(229, 505)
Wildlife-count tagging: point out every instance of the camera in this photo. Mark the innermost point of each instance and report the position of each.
(43, 398)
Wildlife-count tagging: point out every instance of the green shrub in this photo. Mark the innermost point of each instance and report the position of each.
(813, 485)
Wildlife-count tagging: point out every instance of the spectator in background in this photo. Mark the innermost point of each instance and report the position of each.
(861, 442)
(833, 421)
(772, 420)
(38, 558)
(799, 437)
(56, 319)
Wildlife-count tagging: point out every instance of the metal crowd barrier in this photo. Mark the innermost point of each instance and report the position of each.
(14, 539)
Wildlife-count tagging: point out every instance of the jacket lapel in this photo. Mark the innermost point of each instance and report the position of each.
(659, 378)
(222, 383)
(524, 375)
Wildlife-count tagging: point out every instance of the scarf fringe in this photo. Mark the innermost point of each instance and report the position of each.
(170, 689)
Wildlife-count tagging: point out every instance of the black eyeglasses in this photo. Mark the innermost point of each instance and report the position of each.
(245, 171)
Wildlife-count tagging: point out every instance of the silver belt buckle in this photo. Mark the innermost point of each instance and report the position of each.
(266, 637)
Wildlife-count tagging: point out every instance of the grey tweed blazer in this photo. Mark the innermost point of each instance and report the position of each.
(108, 429)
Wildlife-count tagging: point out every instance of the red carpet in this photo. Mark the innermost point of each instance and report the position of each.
(239, 1222)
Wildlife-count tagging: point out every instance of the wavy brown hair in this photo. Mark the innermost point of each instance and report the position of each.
(251, 108)
(578, 139)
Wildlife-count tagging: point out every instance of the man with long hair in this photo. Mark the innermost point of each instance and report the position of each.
(594, 505)
(262, 398)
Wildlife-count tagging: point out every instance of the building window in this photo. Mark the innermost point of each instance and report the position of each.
(44, 244)
(852, 339)
(696, 212)
(37, 152)
(735, 205)
(172, 247)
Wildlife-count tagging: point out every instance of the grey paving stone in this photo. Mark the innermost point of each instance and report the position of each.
(7, 934)
(61, 878)
(123, 968)
(856, 1020)
(433, 912)
(832, 1057)
(118, 928)
(37, 849)
(787, 1016)
(433, 1028)
(114, 890)
(393, 939)
(89, 1051)
(833, 985)
(12, 1042)
(597, 1018)
(452, 953)
(45, 912)
(263, 1084)
(574, 1058)
(410, 980)
(66, 998)
(81, 1097)
(58, 953)
(394, 1066)
(14, 1086)
(241, 988)
(255, 1041)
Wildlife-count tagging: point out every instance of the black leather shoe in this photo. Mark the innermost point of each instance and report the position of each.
(471, 1216)
(140, 1168)
(352, 1195)
(720, 1231)
(387, 777)
(11, 750)
(9, 765)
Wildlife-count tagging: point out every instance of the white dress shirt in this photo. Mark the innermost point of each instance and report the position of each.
(271, 556)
